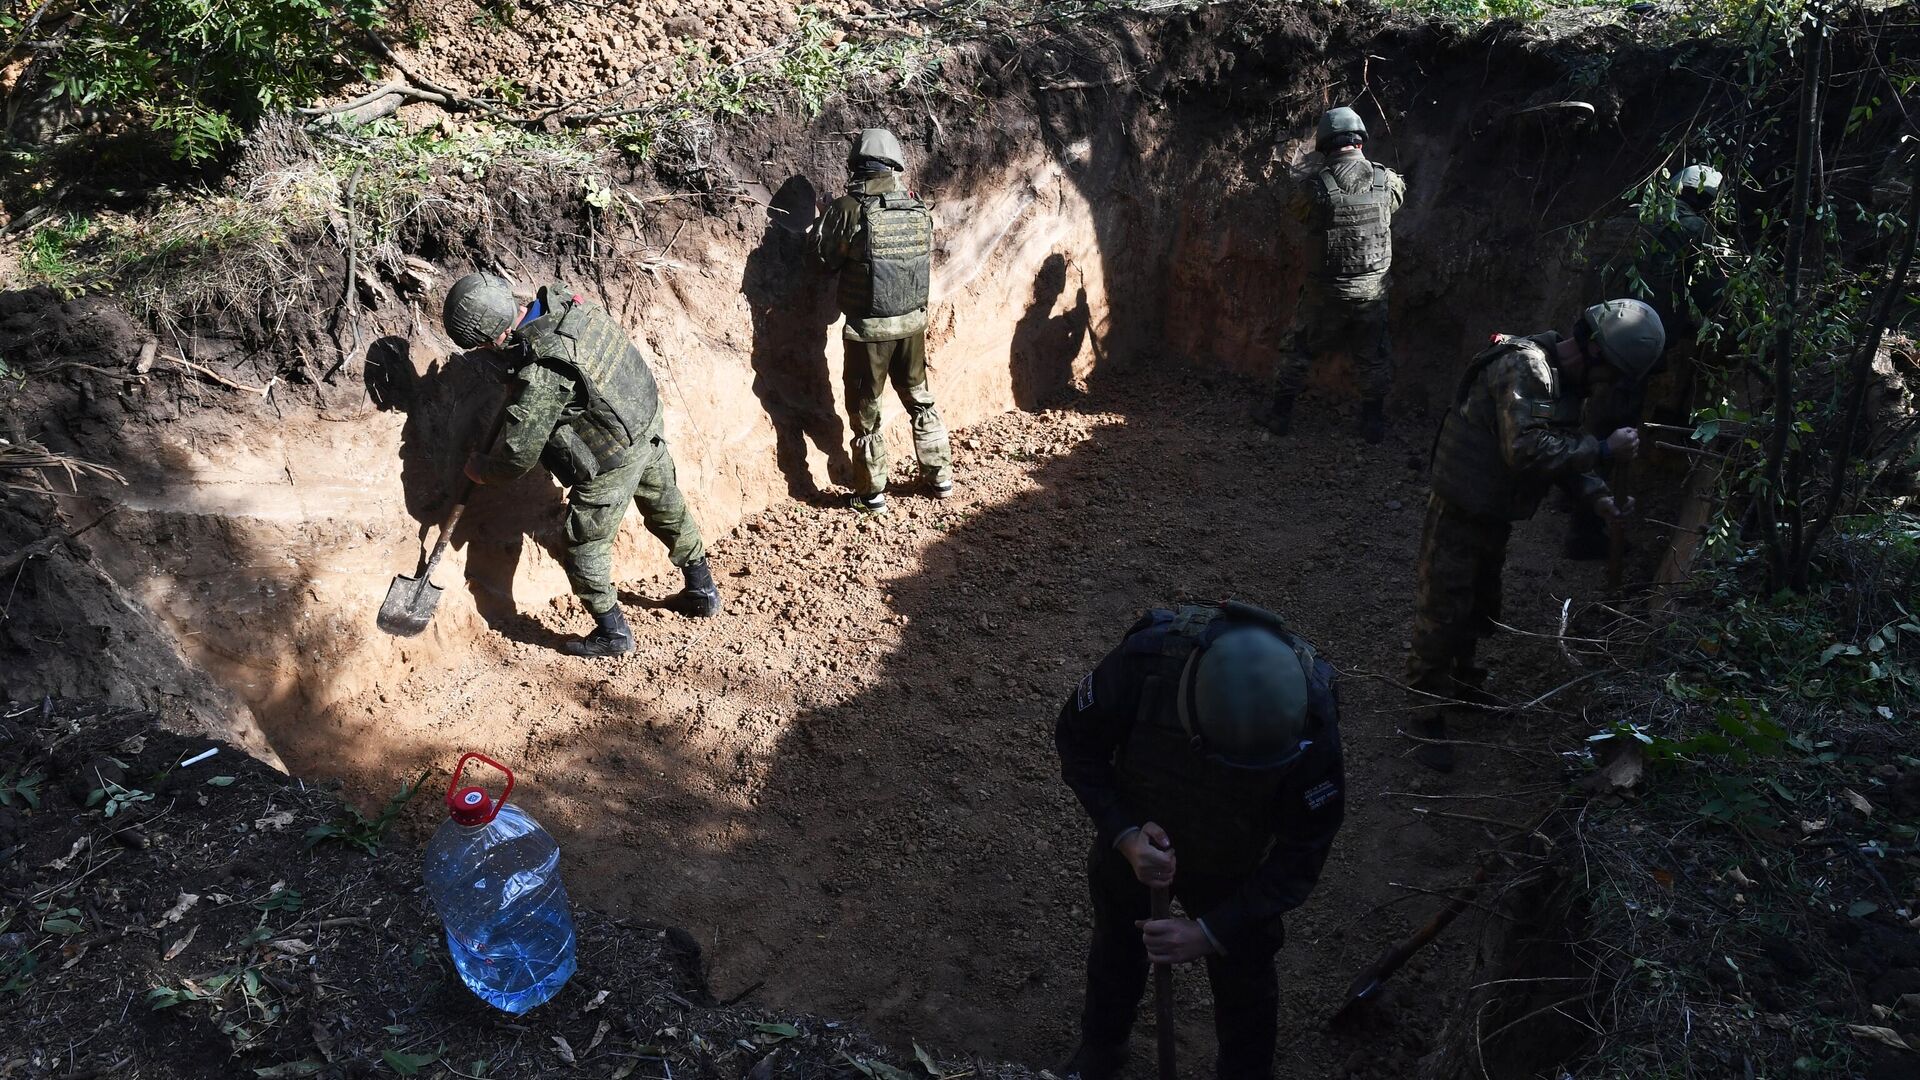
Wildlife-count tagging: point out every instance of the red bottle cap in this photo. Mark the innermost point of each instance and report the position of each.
(471, 805)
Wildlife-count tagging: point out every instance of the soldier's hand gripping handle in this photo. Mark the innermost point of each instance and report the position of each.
(1150, 853)
(1623, 444)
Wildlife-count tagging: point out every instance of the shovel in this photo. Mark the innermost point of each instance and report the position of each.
(410, 601)
(1163, 991)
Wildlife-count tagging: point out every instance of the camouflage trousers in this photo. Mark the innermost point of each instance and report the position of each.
(596, 507)
(870, 365)
(1457, 596)
(1324, 324)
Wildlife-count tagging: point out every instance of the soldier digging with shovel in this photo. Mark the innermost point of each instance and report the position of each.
(1206, 749)
(585, 406)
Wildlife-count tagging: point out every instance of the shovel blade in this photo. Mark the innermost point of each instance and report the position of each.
(409, 605)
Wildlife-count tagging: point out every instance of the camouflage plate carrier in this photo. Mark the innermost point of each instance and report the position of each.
(1359, 232)
(622, 401)
(892, 260)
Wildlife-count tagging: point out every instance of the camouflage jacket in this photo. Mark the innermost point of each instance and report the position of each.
(1513, 431)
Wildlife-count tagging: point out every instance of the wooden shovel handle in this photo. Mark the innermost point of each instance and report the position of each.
(1161, 907)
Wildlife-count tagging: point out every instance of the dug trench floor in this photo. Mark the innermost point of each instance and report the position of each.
(846, 788)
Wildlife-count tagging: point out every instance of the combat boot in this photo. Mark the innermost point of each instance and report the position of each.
(610, 636)
(1437, 756)
(1278, 417)
(875, 503)
(1373, 421)
(700, 597)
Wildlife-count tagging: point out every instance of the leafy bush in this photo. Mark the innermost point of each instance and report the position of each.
(197, 72)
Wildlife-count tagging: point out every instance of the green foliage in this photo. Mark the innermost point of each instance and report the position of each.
(1476, 11)
(814, 63)
(52, 255)
(410, 1064)
(356, 830)
(20, 789)
(200, 72)
(115, 798)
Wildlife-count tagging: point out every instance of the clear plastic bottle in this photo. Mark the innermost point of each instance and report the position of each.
(494, 875)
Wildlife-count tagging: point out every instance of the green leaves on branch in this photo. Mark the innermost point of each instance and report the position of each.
(200, 72)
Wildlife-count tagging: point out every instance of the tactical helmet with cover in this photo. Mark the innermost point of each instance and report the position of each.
(878, 144)
(1629, 334)
(1698, 181)
(1335, 122)
(479, 308)
(1244, 698)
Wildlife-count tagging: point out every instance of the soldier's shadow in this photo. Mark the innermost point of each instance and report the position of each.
(792, 309)
(450, 406)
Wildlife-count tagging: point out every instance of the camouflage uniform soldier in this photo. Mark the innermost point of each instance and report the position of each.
(587, 408)
(1679, 284)
(879, 238)
(1349, 205)
(1512, 429)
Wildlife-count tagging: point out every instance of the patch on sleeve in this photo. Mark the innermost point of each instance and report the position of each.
(1321, 794)
(1084, 697)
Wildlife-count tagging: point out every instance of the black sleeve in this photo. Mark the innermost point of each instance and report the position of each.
(1094, 723)
(1307, 811)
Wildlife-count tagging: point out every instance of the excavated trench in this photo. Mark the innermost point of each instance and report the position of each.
(845, 787)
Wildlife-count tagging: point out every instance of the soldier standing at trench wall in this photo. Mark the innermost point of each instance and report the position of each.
(1512, 429)
(1348, 205)
(1206, 749)
(879, 238)
(585, 406)
(1681, 284)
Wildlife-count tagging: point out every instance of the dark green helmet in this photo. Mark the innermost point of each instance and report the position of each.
(1341, 121)
(878, 144)
(1702, 181)
(1244, 698)
(1629, 334)
(479, 308)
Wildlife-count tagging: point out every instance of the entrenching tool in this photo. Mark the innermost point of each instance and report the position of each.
(410, 601)
(1162, 903)
(1367, 985)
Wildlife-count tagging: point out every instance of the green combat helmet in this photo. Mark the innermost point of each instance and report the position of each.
(1629, 334)
(480, 307)
(880, 145)
(1341, 121)
(1701, 181)
(1244, 699)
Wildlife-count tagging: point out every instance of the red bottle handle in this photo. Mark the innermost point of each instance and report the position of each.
(455, 792)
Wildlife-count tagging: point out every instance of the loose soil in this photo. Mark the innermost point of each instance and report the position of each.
(845, 788)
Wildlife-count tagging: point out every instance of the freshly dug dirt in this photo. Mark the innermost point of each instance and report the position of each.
(845, 787)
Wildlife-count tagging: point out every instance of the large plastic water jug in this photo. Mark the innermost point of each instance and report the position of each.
(494, 875)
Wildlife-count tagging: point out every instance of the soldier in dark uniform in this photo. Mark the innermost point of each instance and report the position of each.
(879, 238)
(1348, 204)
(1666, 262)
(586, 407)
(1206, 749)
(1511, 431)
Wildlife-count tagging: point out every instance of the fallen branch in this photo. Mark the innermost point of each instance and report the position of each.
(215, 376)
(1517, 751)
